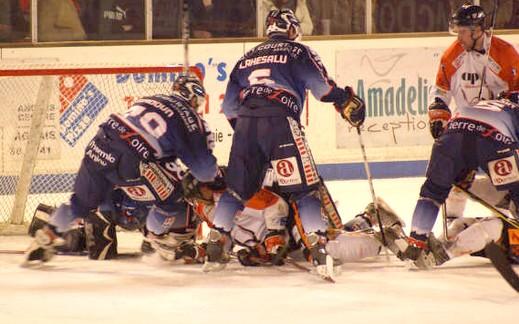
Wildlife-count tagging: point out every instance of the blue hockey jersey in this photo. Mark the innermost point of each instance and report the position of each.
(276, 74)
(162, 127)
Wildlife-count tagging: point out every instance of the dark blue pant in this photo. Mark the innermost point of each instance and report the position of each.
(260, 143)
(454, 154)
(263, 142)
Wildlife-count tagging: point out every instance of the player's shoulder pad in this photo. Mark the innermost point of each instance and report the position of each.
(452, 54)
(505, 49)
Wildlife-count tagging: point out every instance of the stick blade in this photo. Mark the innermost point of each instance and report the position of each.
(503, 266)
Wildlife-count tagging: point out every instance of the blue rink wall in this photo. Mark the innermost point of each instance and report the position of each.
(353, 171)
(59, 183)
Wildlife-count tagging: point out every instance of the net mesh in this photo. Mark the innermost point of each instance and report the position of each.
(77, 100)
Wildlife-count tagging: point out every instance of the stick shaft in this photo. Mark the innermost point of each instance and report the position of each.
(371, 188)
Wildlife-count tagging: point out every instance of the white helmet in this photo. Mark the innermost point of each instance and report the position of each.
(189, 86)
(283, 22)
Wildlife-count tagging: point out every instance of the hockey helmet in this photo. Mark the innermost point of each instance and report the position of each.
(283, 22)
(468, 15)
(189, 86)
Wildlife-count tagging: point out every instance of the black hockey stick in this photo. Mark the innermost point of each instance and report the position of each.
(501, 263)
(492, 250)
(489, 206)
(371, 188)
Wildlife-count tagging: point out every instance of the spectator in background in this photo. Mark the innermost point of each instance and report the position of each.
(338, 17)
(299, 7)
(14, 20)
(507, 13)
(58, 20)
(222, 18)
(167, 18)
(113, 19)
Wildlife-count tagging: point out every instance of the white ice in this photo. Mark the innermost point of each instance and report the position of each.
(378, 290)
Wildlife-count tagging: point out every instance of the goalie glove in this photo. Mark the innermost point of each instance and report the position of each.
(353, 110)
(439, 116)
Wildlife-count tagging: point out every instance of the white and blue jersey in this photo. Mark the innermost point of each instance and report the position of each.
(497, 119)
(272, 79)
(160, 126)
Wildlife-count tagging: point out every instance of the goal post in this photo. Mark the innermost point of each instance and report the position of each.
(48, 117)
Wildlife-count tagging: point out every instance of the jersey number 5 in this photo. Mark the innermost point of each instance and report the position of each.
(260, 76)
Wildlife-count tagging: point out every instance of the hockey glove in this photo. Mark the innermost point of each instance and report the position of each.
(195, 189)
(439, 116)
(353, 110)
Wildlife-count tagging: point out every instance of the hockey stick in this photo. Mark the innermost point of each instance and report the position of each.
(185, 34)
(371, 188)
(502, 265)
(444, 219)
(483, 75)
(492, 250)
(489, 206)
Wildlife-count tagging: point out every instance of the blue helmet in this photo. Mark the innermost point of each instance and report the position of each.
(283, 22)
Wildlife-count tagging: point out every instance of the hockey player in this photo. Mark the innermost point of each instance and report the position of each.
(129, 151)
(483, 135)
(263, 102)
(477, 66)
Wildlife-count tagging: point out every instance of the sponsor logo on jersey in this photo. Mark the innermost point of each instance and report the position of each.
(139, 193)
(283, 97)
(472, 77)
(81, 103)
(458, 61)
(466, 125)
(98, 155)
(503, 171)
(285, 168)
(158, 181)
(129, 135)
(287, 171)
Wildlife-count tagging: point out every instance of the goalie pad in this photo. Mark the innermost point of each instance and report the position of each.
(74, 240)
(40, 218)
(272, 206)
(353, 246)
(101, 238)
(476, 236)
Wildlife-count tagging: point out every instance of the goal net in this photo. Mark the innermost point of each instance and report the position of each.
(48, 117)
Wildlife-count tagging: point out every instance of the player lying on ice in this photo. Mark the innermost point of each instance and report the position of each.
(132, 152)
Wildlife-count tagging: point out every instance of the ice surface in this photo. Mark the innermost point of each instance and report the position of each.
(76, 290)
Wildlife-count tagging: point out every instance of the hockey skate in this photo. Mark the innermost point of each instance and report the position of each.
(427, 254)
(42, 248)
(173, 246)
(216, 257)
(325, 266)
